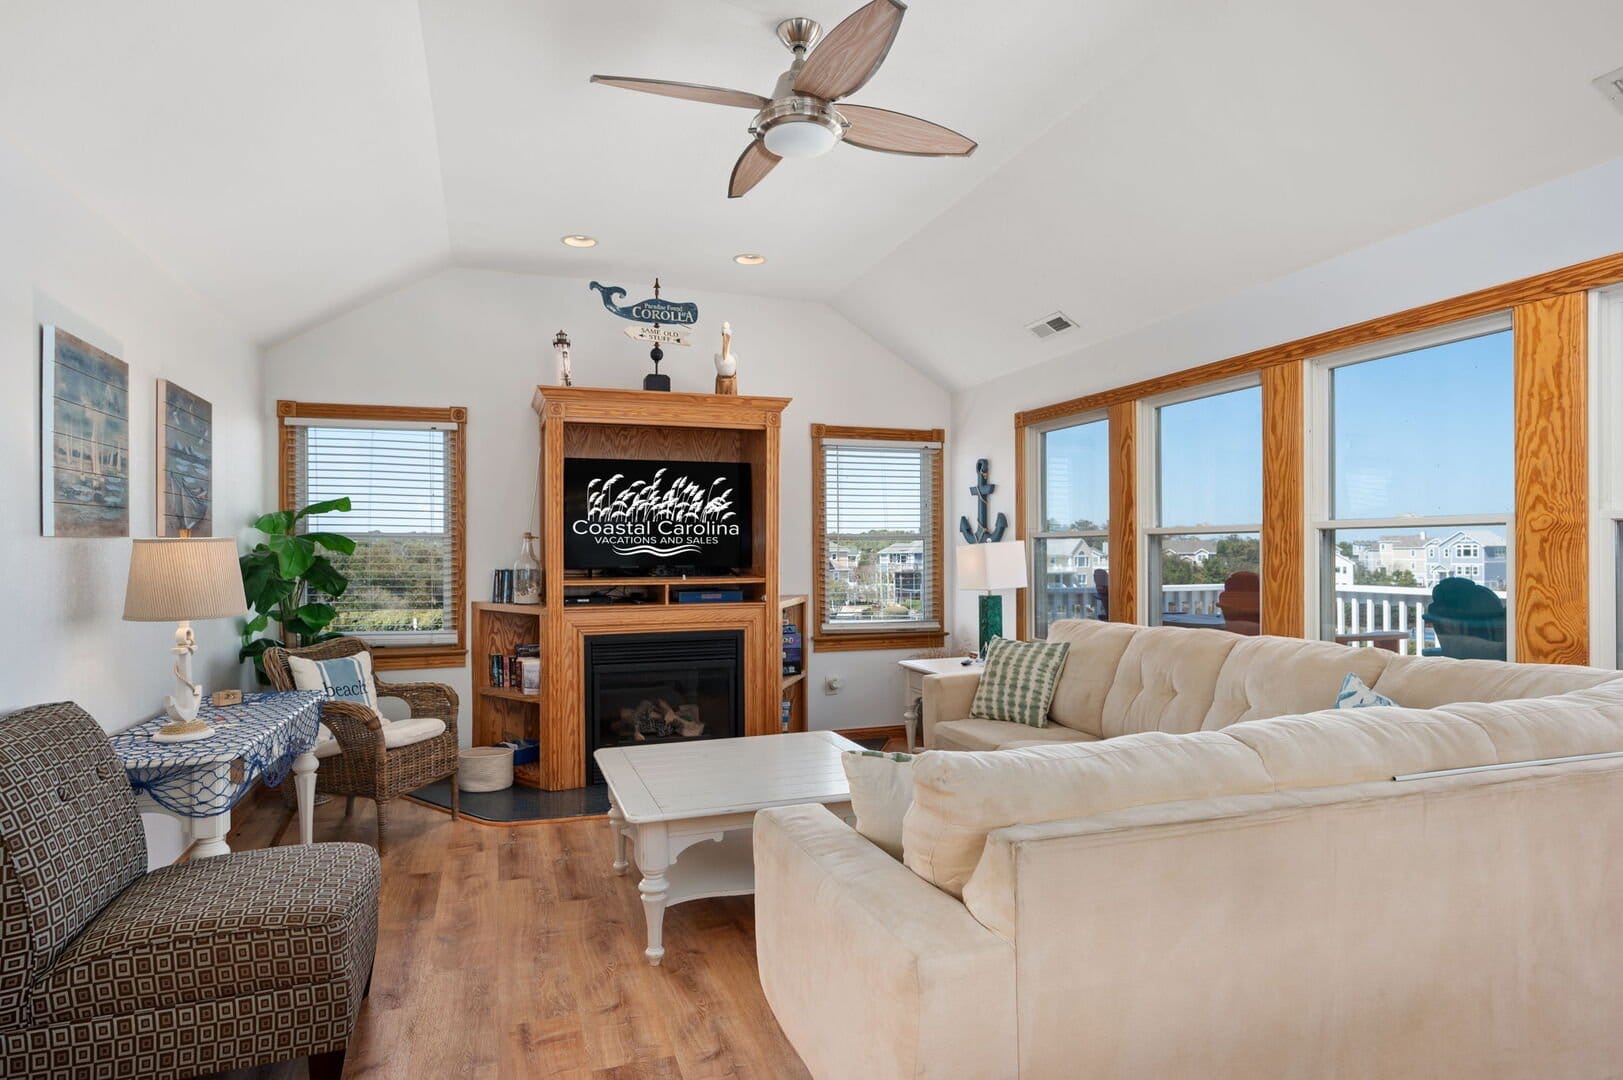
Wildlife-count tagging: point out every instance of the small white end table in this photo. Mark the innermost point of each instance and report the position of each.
(268, 735)
(915, 672)
(670, 798)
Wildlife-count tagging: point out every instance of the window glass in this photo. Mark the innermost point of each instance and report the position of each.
(1427, 590)
(1210, 456)
(1076, 478)
(1210, 580)
(1425, 433)
(1073, 579)
(879, 546)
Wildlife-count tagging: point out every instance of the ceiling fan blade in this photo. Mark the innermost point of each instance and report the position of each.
(753, 165)
(711, 95)
(899, 133)
(848, 57)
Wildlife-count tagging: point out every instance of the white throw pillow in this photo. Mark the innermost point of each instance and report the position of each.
(347, 678)
(881, 792)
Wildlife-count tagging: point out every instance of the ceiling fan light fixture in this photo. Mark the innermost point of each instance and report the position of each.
(749, 258)
(801, 137)
(579, 240)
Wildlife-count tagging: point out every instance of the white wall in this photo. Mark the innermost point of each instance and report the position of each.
(64, 638)
(1567, 221)
(482, 338)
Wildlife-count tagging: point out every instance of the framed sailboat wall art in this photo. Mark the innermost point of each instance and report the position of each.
(84, 438)
(185, 462)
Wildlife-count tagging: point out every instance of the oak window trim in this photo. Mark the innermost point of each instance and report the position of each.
(395, 657)
(889, 638)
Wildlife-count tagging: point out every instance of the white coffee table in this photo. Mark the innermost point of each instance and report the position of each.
(671, 798)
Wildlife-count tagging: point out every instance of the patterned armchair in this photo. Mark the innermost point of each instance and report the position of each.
(106, 970)
(366, 766)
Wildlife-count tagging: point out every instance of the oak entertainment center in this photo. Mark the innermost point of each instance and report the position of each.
(581, 616)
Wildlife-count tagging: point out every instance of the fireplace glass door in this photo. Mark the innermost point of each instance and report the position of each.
(661, 688)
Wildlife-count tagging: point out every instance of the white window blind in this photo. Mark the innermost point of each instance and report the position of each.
(878, 549)
(399, 480)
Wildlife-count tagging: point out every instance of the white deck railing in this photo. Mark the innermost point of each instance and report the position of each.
(1359, 609)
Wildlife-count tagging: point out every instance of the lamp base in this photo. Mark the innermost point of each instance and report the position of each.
(183, 731)
(991, 620)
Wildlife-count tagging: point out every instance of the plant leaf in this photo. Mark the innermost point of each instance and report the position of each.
(325, 578)
(311, 618)
(294, 554)
(255, 625)
(328, 507)
(262, 580)
(332, 542)
(277, 523)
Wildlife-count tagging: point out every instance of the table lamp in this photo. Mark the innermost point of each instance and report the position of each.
(180, 580)
(987, 568)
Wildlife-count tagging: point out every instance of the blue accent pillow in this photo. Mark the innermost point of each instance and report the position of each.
(1355, 694)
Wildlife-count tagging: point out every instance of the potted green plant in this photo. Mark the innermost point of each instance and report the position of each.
(280, 574)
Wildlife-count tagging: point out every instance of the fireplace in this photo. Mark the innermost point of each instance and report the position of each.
(661, 688)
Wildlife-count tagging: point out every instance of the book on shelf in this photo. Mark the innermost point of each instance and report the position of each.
(519, 670)
(501, 587)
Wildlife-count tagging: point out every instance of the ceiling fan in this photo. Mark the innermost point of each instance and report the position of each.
(800, 119)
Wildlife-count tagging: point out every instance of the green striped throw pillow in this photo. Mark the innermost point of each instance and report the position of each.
(1018, 681)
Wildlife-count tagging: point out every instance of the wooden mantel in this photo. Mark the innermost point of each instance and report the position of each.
(599, 423)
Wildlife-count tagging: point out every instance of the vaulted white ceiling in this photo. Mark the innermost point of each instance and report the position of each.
(1138, 157)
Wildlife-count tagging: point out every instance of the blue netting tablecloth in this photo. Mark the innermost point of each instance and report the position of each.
(255, 740)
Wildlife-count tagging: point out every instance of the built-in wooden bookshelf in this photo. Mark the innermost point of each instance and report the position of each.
(792, 611)
(590, 423)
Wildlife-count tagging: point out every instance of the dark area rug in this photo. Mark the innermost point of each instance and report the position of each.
(871, 744)
(520, 803)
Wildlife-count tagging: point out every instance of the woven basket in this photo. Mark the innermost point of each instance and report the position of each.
(485, 768)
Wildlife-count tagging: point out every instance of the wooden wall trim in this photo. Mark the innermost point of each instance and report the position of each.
(1124, 554)
(1540, 287)
(1552, 480)
(1283, 536)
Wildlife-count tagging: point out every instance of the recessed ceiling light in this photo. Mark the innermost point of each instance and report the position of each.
(579, 240)
(749, 259)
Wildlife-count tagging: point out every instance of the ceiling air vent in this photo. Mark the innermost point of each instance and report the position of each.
(1611, 84)
(1049, 325)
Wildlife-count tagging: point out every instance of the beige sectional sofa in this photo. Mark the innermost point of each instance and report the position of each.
(1200, 869)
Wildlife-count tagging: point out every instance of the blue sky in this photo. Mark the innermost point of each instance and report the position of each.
(1422, 433)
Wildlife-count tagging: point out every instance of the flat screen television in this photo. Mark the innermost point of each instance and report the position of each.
(642, 517)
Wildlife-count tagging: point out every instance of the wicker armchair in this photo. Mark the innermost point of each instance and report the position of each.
(366, 767)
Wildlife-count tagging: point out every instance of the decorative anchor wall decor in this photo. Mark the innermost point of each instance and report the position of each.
(982, 490)
(655, 312)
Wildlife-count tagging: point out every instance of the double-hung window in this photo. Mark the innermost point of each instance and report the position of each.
(402, 470)
(877, 574)
(1413, 491)
(1204, 545)
(1070, 547)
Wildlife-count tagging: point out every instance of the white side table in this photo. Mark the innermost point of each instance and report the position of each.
(914, 672)
(669, 798)
(268, 735)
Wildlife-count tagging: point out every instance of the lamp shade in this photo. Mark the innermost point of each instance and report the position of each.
(992, 566)
(182, 580)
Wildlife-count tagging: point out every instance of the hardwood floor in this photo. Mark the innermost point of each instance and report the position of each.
(516, 951)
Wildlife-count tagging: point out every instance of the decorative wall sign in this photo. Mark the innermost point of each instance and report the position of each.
(982, 490)
(84, 438)
(185, 462)
(660, 335)
(648, 311)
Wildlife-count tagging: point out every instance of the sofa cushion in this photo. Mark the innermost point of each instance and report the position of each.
(1089, 671)
(344, 678)
(977, 734)
(1351, 746)
(1166, 681)
(1425, 682)
(881, 791)
(1279, 676)
(1356, 694)
(1018, 680)
(959, 798)
(214, 929)
(1532, 729)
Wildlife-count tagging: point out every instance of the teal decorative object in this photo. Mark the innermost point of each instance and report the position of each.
(982, 490)
(654, 311)
(991, 619)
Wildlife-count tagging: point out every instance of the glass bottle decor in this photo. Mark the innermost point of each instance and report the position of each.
(527, 574)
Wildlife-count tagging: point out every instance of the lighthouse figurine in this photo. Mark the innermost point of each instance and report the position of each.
(726, 363)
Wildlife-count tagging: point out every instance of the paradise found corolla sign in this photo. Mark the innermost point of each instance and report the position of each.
(626, 514)
(648, 311)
